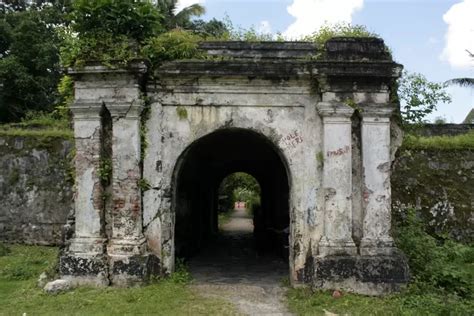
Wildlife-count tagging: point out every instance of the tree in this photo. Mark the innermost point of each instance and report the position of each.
(29, 60)
(238, 186)
(463, 82)
(181, 19)
(212, 28)
(419, 97)
(136, 20)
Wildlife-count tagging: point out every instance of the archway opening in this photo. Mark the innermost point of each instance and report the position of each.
(202, 170)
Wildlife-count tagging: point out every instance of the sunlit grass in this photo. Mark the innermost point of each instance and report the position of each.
(458, 142)
(19, 294)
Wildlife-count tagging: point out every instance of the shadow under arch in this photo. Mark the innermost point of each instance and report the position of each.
(200, 169)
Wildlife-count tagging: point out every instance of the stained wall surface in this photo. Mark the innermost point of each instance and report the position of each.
(36, 189)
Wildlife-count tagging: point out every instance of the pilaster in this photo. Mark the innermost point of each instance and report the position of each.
(376, 239)
(337, 179)
(85, 261)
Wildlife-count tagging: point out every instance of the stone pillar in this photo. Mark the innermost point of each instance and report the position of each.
(376, 163)
(85, 262)
(337, 179)
(129, 261)
(127, 237)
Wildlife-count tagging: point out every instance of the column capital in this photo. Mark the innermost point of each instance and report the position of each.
(127, 110)
(86, 110)
(377, 113)
(335, 110)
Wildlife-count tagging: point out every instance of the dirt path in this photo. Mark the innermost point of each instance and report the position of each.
(231, 269)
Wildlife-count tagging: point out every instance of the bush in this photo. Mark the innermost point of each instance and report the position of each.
(328, 31)
(176, 44)
(108, 49)
(108, 30)
(435, 261)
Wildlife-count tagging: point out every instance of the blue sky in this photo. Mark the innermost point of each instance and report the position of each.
(414, 29)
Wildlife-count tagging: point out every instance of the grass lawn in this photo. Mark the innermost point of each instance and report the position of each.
(413, 301)
(19, 294)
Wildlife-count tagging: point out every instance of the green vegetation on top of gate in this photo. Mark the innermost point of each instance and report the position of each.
(115, 33)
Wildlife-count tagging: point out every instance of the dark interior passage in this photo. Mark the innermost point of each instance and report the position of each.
(200, 171)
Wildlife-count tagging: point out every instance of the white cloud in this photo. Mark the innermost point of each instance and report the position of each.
(186, 3)
(264, 27)
(312, 14)
(460, 34)
(432, 40)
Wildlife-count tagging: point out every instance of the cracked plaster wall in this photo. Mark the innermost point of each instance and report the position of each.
(293, 129)
(35, 189)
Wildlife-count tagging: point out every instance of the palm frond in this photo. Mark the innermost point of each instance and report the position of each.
(463, 82)
(191, 11)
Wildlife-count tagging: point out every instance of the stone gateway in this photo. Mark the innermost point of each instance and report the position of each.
(315, 128)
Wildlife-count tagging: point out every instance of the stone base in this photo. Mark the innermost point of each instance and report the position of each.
(375, 247)
(337, 247)
(368, 275)
(84, 270)
(134, 270)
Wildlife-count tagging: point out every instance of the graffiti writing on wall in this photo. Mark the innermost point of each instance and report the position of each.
(338, 152)
(292, 140)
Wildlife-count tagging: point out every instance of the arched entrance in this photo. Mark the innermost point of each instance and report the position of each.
(198, 174)
(165, 173)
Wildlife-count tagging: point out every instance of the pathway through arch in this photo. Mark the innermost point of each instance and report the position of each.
(230, 268)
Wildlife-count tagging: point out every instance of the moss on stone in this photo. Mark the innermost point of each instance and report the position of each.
(182, 113)
(436, 179)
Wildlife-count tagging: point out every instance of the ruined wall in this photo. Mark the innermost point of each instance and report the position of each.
(440, 184)
(35, 189)
(442, 129)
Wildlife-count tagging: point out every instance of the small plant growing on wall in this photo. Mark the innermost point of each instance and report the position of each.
(105, 171)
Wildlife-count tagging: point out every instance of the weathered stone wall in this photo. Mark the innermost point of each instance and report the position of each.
(443, 129)
(440, 184)
(35, 189)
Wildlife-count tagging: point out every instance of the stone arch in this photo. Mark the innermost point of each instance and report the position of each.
(205, 163)
(302, 104)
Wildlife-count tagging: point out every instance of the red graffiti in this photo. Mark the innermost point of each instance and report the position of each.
(338, 152)
(291, 140)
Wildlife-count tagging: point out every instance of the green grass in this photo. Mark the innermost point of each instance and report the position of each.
(442, 279)
(39, 125)
(458, 142)
(20, 269)
(413, 301)
(38, 133)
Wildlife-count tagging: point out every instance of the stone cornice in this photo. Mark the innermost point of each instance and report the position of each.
(271, 69)
(334, 110)
(128, 110)
(374, 110)
(260, 50)
(86, 109)
(134, 67)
